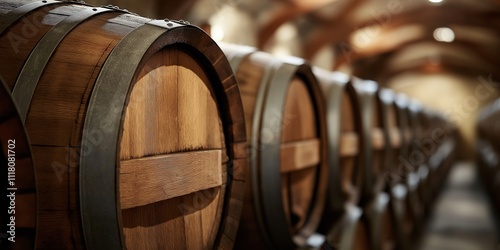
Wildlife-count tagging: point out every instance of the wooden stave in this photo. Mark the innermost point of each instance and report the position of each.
(235, 124)
(278, 71)
(26, 200)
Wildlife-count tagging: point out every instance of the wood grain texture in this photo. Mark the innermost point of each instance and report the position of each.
(152, 179)
(17, 42)
(299, 155)
(55, 121)
(172, 110)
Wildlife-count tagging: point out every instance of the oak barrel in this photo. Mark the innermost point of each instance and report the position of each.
(18, 190)
(443, 135)
(487, 150)
(374, 199)
(429, 146)
(286, 131)
(421, 154)
(342, 221)
(406, 168)
(397, 191)
(136, 126)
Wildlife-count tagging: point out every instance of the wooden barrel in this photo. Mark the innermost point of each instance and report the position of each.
(431, 143)
(287, 136)
(406, 169)
(342, 221)
(487, 155)
(136, 126)
(18, 191)
(374, 152)
(422, 150)
(488, 152)
(447, 150)
(396, 190)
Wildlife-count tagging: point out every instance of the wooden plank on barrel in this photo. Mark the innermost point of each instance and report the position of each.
(152, 179)
(395, 136)
(349, 143)
(377, 139)
(299, 155)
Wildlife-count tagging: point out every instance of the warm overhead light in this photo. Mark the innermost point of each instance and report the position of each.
(217, 33)
(435, 1)
(364, 37)
(444, 35)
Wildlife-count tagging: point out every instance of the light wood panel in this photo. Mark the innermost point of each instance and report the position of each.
(152, 179)
(349, 144)
(395, 135)
(299, 155)
(377, 139)
(171, 110)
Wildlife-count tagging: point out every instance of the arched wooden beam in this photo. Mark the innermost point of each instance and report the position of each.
(375, 66)
(327, 33)
(294, 11)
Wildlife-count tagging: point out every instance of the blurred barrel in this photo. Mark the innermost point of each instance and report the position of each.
(488, 150)
(422, 150)
(372, 166)
(18, 191)
(430, 143)
(446, 135)
(287, 135)
(396, 190)
(136, 125)
(406, 168)
(342, 218)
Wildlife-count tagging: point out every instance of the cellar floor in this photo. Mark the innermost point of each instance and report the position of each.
(462, 218)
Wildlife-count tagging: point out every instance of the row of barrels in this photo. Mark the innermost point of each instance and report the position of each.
(360, 169)
(120, 131)
(488, 149)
